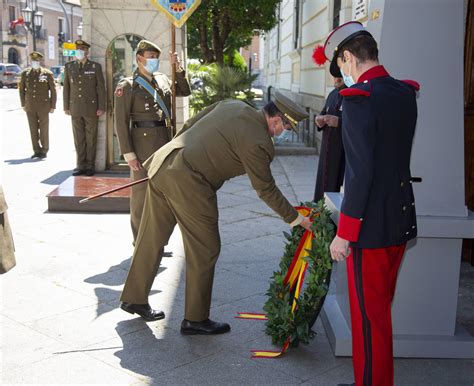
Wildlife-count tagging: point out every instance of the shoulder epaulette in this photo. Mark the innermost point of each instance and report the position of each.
(352, 92)
(412, 83)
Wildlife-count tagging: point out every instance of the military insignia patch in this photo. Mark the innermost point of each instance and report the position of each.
(119, 92)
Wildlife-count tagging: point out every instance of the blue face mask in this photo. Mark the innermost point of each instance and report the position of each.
(283, 137)
(152, 65)
(348, 80)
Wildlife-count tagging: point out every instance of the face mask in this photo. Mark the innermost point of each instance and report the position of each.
(35, 64)
(283, 137)
(348, 81)
(80, 54)
(152, 65)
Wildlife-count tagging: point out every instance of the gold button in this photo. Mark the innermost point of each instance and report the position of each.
(80, 89)
(80, 96)
(407, 233)
(401, 184)
(404, 208)
(413, 227)
(144, 134)
(80, 82)
(412, 204)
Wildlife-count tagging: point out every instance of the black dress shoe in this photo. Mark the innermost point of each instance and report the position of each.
(79, 172)
(42, 155)
(207, 327)
(36, 155)
(144, 310)
(89, 172)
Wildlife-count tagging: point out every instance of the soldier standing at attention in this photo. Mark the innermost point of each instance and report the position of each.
(142, 117)
(378, 214)
(84, 101)
(38, 99)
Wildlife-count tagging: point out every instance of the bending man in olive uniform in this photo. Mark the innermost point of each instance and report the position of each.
(142, 117)
(84, 101)
(227, 139)
(38, 99)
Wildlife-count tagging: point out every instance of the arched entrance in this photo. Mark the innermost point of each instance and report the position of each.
(120, 62)
(13, 56)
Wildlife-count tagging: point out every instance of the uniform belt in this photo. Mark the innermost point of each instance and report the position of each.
(147, 124)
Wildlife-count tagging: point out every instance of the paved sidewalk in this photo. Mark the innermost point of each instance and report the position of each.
(59, 318)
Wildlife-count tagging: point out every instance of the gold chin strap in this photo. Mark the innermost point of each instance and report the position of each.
(294, 122)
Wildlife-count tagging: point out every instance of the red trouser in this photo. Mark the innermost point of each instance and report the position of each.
(372, 276)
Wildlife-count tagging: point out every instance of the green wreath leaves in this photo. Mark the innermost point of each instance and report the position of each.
(282, 323)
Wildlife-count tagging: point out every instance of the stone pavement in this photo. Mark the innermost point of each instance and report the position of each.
(59, 318)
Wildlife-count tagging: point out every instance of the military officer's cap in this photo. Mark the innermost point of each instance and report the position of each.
(35, 55)
(146, 45)
(291, 111)
(82, 43)
(335, 43)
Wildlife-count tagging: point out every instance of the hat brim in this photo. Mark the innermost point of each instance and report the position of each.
(334, 68)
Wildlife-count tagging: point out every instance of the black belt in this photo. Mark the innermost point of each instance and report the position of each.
(147, 124)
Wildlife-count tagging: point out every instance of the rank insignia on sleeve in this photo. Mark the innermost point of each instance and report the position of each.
(119, 92)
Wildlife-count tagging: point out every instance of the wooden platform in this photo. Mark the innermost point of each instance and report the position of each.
(66, 197)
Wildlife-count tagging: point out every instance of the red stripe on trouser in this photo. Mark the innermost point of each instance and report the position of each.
(372, 277)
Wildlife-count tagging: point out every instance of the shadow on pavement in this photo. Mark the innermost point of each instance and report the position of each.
(22, 161)
(114, 276)
(58, 178)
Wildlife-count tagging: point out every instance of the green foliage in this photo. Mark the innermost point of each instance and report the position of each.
(219, 83)
(236, 61)
(282, 323)
(221, 26)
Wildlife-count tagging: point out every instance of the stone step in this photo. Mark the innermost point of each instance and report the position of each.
(66, 197)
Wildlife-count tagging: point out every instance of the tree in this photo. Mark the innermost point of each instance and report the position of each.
(220, 26)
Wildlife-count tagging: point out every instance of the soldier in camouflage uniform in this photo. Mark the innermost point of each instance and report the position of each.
(84, 101)
(38, 99)
(141, 120)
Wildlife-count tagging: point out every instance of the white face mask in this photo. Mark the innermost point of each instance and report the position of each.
(152, 65)
(35, 65)
(80, 54)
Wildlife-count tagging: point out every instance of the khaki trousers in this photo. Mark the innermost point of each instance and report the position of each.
(39, 130)
(176, 194)
(85, 140)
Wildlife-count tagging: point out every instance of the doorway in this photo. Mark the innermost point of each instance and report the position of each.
(13, 56)
(120, 63)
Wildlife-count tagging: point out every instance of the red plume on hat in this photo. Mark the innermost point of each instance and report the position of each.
(318, 55)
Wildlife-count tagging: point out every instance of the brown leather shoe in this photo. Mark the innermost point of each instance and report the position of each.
(144, 310)
(206, 327)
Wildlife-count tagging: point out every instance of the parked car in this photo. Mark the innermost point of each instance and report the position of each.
(9, 75)
(56, 70)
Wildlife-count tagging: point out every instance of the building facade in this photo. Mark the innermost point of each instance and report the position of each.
(288, 48)
(17, 41)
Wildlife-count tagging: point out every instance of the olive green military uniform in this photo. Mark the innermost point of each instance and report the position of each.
(141, 128)
(38, 97)
(228, 139)
(84, 95)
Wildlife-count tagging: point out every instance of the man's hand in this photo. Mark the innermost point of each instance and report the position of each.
(319, 120)
(331, 120)
(100, 112)
(67, 112)
(135, 165)
(339, 249)
(306, 223)
(51, 111)
(175, 59)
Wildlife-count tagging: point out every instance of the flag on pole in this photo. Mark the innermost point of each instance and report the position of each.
(177, 11)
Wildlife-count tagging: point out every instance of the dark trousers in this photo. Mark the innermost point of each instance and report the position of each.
(85, 140)
(372, 276)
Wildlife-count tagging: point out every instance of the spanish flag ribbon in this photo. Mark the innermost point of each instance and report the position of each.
(294, 277)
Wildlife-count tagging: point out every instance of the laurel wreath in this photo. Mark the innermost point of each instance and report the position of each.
(282, 322)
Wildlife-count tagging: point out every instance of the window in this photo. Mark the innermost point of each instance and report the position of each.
(12, 13)
(296, 25)
(337, 11)
(60, 25)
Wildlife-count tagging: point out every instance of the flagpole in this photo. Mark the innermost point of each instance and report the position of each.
(173, 81)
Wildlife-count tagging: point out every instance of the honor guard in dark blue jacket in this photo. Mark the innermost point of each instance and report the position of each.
(378, 210)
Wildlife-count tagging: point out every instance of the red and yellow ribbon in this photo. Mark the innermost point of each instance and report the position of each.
(294, 276)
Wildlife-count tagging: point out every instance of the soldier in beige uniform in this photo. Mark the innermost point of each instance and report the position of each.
(38, 99)
(228, 139)
(84, 100)
(141, 122)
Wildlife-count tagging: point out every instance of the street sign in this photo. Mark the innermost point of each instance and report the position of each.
(177, 11)
(69, 52)
(69, 46)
